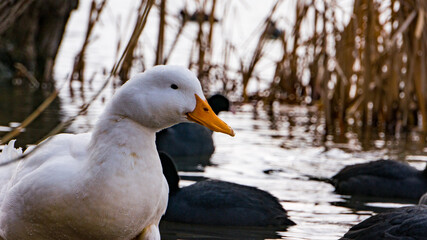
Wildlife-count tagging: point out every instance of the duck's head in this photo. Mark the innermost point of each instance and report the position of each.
(164, 96)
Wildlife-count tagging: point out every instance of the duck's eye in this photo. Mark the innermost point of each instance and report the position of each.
(174, 86)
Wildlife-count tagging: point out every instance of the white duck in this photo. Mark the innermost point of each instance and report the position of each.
(108, 184)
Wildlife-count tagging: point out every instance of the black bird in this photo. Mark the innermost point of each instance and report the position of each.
(189, 141)
(195, 17)
(406, 223)
(273, 32)
(381, 178)
(213, 202)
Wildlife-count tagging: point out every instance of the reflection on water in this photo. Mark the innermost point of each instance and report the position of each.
(171, 230)
(192, 163)
(372, 204)
(276, 157)
(17, 103)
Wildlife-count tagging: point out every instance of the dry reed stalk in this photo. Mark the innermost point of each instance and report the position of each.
(278, 75)
(247, 71)
(201, 45)
(79, 62)
(290, 81)
(24, 71)
(211, 26)
(123, 66)
(175, 41)
(161, 35)
(367, 64)
(420, 62)
(229, 84)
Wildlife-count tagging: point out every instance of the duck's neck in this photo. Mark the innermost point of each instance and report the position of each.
(123, 174)
(117, 138)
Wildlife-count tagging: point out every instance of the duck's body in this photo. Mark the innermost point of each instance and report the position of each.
(404, 223)
(83, 194)
(107, 184)
(381, 178)
(214, 202)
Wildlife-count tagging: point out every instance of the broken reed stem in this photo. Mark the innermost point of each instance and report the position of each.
(24, 71)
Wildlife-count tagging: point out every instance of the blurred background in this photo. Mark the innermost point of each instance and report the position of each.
(315, 85)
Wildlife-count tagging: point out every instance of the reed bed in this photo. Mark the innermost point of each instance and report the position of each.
(367, 73)
(380, 67)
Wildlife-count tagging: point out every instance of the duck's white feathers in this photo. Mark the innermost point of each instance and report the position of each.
(8, 153)
(73, 193)
(104, 185)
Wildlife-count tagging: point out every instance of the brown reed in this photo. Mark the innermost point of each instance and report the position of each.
(369, 73)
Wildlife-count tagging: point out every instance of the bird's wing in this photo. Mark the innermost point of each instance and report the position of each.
(61, 148)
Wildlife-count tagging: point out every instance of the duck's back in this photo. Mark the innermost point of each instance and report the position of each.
(39, 181)
(223, 203)
(9, 153)
(408, 223)
(382, 178)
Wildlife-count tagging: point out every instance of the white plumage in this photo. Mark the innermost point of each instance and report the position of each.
(107, 184)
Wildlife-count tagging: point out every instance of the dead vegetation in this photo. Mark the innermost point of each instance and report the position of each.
(367, 73)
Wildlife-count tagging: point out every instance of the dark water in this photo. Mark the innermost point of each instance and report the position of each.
(275, 156)
(171, 231)
(17, 103)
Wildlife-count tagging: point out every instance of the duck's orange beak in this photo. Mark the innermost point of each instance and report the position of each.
(204, 115)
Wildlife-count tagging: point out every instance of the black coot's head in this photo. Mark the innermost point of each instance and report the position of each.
(219, 103)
